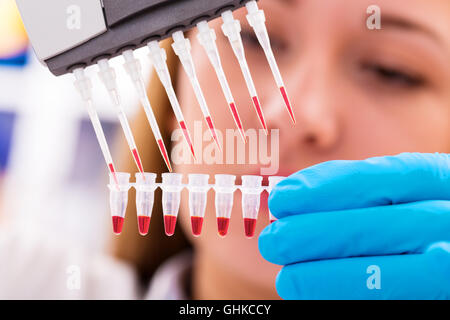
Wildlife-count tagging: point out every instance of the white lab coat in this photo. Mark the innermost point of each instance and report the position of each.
(35, 266)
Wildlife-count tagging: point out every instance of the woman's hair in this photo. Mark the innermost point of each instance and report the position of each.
(147, 253)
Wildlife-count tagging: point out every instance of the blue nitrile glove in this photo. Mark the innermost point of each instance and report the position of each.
(373, 229)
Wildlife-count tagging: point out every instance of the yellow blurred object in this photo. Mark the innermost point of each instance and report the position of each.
(13, 37)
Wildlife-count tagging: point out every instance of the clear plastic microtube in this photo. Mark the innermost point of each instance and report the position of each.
(257, 21)
(182, 48)
(108, 77)
(158, 57)
(198, 193)
(134, 69)
(273, 181)
(251, 198)
(232, 30)
(224, 188)
(145, 197)
(171, 186)
(118, 199)
(84, 87)
(207, 38)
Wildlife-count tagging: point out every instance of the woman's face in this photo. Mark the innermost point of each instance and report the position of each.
(356, 93)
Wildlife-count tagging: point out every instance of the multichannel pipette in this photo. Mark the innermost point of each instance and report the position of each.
(232, 30)
(84, 87)
(108, 77)
(207, 38)
(134, 70)
(158, 56)
(182, 48)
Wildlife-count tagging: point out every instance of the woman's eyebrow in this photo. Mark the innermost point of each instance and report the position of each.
(289, 2)
(392, 21)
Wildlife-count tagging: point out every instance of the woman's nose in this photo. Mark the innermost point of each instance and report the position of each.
(315, 109)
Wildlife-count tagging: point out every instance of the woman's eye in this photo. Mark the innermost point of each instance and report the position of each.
(250, 39)
(394, 76)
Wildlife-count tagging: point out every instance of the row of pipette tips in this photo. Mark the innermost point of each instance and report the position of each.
(198, 187)
(182, 48)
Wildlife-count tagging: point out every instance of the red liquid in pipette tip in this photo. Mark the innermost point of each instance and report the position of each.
(249, 227)
(170, 222)
(163, 150)
(238, 121)
(222, 226)
(197, 224)
(117, 224)
(272, 220)
(113, 172)
(137, 158)
(213, 131)
(288, 104)
(143, 224)
(260, 113)
(187, 136)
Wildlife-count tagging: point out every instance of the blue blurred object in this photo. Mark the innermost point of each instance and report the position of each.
(373, 229)
(7, 120)
(18, 60)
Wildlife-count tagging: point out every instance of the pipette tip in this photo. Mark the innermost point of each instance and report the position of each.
(170, 223)
(113, 172)
(117, 224)
(238, 121)
(197, 224)
(257, 106)
(213, 132)
(137, 158)
(144, 225)
(187, 137)
(288, 104)
(163, 150)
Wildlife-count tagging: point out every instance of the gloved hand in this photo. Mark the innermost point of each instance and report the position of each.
(373, 229)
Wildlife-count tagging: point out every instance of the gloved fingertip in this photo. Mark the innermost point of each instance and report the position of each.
(285, 285)
(265, 244)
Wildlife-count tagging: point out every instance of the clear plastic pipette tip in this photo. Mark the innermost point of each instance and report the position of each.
(232, 30)
(182, 48)
(158, 56)
(207, 38)
(108, 77)
(84, 87)
(134, 70)
(257, 21)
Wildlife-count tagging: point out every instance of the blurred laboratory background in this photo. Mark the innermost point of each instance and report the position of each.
(52, 174)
